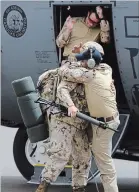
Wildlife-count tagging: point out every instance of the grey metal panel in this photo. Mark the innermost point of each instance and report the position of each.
(29, 54)
(126, 32)
(78, 2)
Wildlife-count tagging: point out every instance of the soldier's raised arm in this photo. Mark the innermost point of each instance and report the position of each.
(105, 31)
(64, 35)
(75, 74)
(104, 26)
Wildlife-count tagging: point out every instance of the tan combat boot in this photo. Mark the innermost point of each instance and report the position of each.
(81, 189)
(43, 187)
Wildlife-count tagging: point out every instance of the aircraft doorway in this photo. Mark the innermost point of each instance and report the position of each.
(60, 15)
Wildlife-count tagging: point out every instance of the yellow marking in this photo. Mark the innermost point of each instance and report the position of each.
(68, 166)
(42, 165)
(39, 165)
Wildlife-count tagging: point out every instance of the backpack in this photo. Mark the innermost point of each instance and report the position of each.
(47, 85)
(48, 82)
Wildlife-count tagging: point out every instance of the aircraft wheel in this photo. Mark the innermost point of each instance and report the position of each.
(22, 163)
(27, 154)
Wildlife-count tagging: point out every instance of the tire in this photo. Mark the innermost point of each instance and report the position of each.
(24, 167)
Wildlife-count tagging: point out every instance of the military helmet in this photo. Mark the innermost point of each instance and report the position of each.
(86, 45)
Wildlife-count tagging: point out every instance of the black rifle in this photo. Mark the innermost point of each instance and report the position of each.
(78, 114)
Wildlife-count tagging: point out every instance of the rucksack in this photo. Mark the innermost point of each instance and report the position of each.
(48, 82)
(47, 85)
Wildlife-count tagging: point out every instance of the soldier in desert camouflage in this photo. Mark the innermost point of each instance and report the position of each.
(101, 98)
(67, 134)
(67, 137)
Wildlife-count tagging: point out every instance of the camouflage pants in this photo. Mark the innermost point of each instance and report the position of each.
(66, 140)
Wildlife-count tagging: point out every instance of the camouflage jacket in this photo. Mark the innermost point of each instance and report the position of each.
(99, 88)
(49, 82)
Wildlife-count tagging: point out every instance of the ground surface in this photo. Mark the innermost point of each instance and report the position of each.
(12, 181)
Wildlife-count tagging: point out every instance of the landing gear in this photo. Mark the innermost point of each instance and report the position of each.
(24, 166)
(30, 160)
(27, 154)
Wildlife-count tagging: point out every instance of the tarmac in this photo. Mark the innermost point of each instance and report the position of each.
(19, 184)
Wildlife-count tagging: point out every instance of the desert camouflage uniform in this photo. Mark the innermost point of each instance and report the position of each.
(67, 135)
(101, 97)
